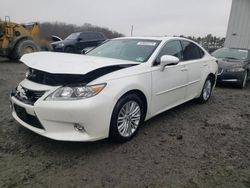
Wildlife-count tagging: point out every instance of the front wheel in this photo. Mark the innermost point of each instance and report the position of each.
(69, 49)
(206, 91)
(24, 47)
(244, 80)
(127, 116)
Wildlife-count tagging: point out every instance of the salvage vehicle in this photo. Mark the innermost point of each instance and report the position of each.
(76, 42)
(113, 89)
(234, 66)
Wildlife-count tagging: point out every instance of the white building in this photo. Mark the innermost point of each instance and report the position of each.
(238, 33)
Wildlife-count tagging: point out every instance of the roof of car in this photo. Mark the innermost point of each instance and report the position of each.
(154, 38)
(236, 48)
(162, 39)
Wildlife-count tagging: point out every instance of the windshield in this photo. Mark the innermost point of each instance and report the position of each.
(230, 53)
(138, 50)
(73, 36)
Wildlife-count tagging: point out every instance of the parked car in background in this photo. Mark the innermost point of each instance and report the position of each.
(234, 65)
(76, 42)
(111, 90)
(55, 38)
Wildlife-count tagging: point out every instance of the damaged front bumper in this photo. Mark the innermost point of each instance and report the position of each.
(80, 120)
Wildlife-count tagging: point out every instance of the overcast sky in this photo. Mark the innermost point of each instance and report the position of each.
(149, 17)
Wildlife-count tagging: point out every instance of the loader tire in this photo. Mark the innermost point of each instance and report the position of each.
(24, 47)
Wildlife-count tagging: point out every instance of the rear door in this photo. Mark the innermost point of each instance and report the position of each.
(195, 63)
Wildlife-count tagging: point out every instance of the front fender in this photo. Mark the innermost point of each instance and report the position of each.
(118, 87)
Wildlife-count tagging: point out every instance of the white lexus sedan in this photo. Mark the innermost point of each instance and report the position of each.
(113, 89)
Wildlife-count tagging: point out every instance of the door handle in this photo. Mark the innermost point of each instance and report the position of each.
(184, 68)
(205, 65)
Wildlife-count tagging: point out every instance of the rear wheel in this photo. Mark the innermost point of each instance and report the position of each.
(24, 47)
(127, 117)
(206, 91)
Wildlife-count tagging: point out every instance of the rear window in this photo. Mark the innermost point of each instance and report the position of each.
(191, 51)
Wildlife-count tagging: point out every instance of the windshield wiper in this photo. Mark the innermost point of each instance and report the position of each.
(230, 58)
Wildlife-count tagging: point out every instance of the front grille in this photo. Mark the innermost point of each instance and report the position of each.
(27, 118)
(27, 96)
(53, 45)
(50, 79)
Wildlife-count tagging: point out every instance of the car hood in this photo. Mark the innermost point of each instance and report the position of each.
(63, 63)
(227, 63)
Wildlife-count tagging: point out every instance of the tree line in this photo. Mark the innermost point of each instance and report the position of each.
(63, 30)
(209, 42)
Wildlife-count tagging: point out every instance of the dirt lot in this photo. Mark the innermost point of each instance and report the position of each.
(190, 146)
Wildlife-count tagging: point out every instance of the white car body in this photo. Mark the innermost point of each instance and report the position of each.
(162, 90)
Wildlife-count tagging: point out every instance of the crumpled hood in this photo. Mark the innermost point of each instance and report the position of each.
(64, 63)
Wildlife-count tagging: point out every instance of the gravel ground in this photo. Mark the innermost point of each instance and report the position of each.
(190, 146)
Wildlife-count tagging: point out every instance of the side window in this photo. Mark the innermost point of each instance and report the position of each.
(84, 36)
(191, 51)
(92, 36)
(171, 48)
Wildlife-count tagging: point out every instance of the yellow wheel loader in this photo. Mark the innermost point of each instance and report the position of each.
(18, 39)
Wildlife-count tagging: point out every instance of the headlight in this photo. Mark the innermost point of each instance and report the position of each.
(60, 45)
(27, 73)
(75, 92)
(236, 69)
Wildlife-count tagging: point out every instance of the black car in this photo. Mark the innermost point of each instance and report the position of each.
(234, 65)
(76, 42)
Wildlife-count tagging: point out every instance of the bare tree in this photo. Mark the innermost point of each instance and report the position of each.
(63, 30)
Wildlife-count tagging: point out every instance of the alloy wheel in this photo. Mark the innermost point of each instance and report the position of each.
(129, 118)
(244, 80)
(207, 89)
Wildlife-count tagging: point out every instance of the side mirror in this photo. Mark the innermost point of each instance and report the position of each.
(86, 50)
(79, 39)
(83, 51)
(168, 60)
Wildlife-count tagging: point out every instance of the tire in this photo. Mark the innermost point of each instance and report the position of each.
(206, 91)
(243, 82)
(24, 47)
(69, 49)
(123, 127)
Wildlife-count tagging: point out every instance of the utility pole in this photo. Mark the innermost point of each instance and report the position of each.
(132, 30)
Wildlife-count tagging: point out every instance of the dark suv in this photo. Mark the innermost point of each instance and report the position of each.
(76, 42)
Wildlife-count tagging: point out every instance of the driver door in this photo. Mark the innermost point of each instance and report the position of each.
(169, 85)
